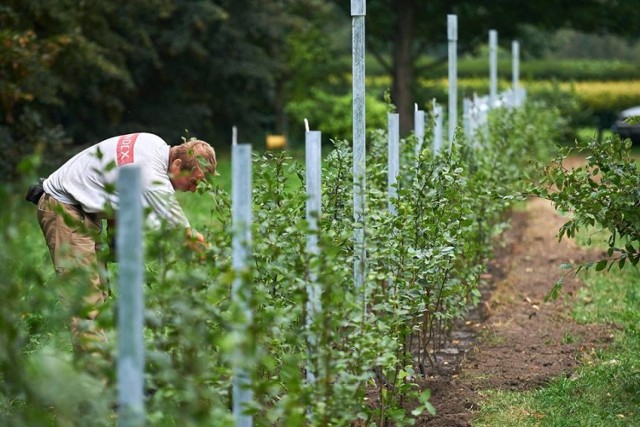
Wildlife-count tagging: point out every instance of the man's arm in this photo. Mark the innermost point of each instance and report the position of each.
(194, 239)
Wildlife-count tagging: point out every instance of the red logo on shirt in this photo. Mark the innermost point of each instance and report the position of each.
(124, 149)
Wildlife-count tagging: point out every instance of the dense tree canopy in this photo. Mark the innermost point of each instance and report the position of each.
(81, 71)
(73, 72)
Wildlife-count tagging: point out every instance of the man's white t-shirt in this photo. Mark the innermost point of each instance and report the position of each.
(88, 179)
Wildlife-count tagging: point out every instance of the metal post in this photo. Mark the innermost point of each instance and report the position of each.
(130, 369)
(241, 244)
(475, 114)
(393, 167)
(466, 119)
(418, 126)
(358, 12)
(437, 127)
(452, 36)
(515, 73)
(483, 108)
(313, 157)
(493, 67)
(393, 160)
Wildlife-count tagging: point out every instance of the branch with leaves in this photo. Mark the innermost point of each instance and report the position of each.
(603, 193)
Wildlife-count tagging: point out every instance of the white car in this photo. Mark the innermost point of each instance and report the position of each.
(626, 130)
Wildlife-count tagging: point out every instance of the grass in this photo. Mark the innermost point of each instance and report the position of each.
(605, 391)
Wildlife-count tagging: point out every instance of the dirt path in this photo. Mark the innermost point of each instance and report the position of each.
(515, 341)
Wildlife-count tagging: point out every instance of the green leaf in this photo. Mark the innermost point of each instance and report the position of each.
(554, 292)
(601, 265)
(621, 262)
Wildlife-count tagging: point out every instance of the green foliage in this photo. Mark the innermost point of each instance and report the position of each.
(76, 73)
(603, 194)
(366, 349)
(332, 112)
(26, 76)
(545, 69)
(566, 43)
(400, 34)
(567, 102)
(582, 104)
(577, 70)
(509, 18)
(40, 384)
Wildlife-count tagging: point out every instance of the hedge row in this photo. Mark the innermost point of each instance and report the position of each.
(545, 69)
(367, 347)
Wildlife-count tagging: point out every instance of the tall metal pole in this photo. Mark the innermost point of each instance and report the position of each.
(358, 12)
(515, 73)
(393, 166)
(313, 160)
(466, 120)
(437, 127)
(493, 67)
(241, 246)
(452, 36)
(130, 251)
(418, 126)
(393, 161)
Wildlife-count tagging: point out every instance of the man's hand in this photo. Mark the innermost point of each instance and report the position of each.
(196, 242)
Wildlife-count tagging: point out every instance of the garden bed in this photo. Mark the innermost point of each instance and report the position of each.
(519, 341)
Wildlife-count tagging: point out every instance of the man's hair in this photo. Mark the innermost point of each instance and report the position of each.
(196, 153)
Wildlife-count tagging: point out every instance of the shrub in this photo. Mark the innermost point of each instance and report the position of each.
(368, 346)
(604, 193)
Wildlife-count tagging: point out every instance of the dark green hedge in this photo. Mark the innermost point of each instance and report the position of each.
(545, 69)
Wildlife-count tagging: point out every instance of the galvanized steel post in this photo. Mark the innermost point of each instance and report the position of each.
(466, 119)
(393, 167)
(418, 125)
(437, 127)
(452, 36)
(313, 160)
(393, 161)
(358, 12)
(493, 67)
(241, 246)
(130, 250)
(515, 72)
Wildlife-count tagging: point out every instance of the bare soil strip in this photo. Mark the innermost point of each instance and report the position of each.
(515, 341)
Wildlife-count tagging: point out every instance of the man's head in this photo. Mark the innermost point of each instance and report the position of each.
(190, 163)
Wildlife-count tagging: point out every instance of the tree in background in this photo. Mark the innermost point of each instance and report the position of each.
(400, 32)
(82, 71)
(572, 44)
(72, 73)
(316, 62)
(65, 70)
(26, 84)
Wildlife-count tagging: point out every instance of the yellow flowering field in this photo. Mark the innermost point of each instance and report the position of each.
(595, 95)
